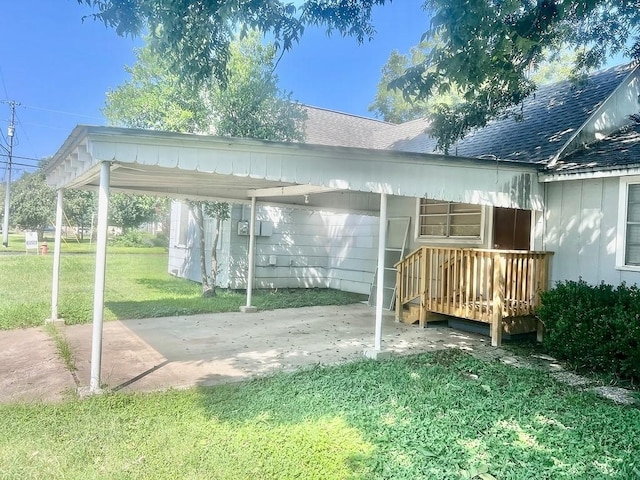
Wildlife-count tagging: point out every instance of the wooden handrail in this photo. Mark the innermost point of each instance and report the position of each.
(473, 283)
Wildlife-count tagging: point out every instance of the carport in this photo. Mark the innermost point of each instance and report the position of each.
(185, 166)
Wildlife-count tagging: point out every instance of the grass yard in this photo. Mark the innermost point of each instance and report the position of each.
(137, 286)
(435, 416)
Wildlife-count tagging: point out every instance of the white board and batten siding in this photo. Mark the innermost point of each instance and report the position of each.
(581, 228)
(302, 249)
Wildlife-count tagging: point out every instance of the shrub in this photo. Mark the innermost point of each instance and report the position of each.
(594, 327)
(130, 238)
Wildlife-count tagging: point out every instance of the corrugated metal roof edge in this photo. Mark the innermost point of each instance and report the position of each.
(81, 132)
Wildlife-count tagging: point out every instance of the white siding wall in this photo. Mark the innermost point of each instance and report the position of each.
(581, 229)
(353, 249)
(311, 249)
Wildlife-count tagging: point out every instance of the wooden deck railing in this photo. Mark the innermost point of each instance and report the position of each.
(476, 284)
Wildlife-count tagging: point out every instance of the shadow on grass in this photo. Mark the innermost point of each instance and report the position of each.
(445, 416)
(170, 286)
(169, 307)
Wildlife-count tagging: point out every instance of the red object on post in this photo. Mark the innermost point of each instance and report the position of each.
(44, 248)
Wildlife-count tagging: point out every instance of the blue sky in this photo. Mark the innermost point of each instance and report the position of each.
(59, 68)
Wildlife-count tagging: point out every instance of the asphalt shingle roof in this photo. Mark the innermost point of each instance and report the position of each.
(546, 121)
(326, 127)
(619, 149)
(549, 119)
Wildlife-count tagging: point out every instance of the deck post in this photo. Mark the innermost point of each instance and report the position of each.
(424, 273)
(399, 295)
(498, 299)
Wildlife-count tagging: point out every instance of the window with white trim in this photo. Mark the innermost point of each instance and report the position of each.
(632, 226)
(449, 220)
(183, 224)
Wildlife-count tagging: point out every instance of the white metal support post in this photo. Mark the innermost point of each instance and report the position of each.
(98, 289)
(56, 258)
(248, 308)
(382, 237)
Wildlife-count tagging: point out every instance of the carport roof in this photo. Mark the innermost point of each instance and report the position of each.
(317, 176)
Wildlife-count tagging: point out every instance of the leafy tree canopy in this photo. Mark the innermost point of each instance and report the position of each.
(392, 105)
(131, 211)
(195, 35)
(487, 48)
(32, 203)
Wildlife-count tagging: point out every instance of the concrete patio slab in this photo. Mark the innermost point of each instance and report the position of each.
(181, 352)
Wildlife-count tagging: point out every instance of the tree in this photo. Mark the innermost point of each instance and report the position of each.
(80, 208)
(488, 48)
(251, 105)
(131, 211)
(32, 203)
(391, 104)
(195, 36)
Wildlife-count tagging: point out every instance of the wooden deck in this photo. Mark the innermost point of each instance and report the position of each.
(489, 286)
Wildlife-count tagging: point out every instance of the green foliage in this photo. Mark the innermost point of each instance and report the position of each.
(430, 416)
(251, 105)
(80, 207)
(131, 211)
(155, 98)
(130, 238)
(392, 105)
(488, 50)
(196, 37)
(32, 203)
(594, 327)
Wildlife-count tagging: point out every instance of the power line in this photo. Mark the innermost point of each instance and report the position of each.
(19, 164)
(21, 158)
(4, 85)
(24, 130)
(63, 112)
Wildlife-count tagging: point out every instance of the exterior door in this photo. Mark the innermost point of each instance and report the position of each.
(511, 229)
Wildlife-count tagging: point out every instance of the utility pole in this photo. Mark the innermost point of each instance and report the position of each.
(7, 190)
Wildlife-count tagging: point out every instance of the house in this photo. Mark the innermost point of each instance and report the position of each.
(483, 219)
(562, 127)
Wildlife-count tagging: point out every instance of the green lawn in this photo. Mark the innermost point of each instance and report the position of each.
(434, 416)
(137, 286)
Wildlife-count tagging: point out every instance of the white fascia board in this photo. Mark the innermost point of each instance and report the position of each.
(589, 174)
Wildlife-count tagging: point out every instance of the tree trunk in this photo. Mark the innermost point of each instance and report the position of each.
(208, 290)
(214, 253)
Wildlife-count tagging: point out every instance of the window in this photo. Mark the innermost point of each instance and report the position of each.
(628, 251)
(449, 220)
(183, 224)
